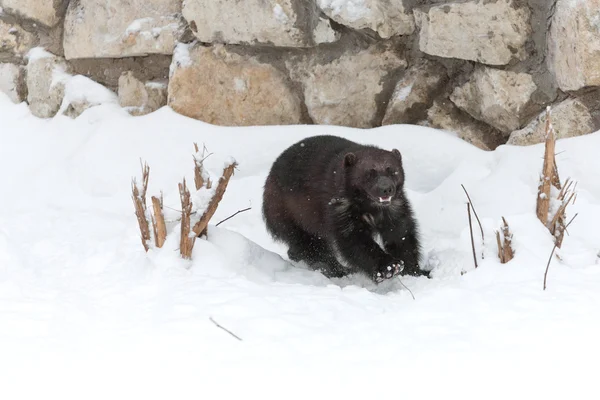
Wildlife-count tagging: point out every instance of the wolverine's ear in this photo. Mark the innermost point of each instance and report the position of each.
(397, 154)
(349, 159)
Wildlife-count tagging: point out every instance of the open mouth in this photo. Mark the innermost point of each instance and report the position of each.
(387, 199)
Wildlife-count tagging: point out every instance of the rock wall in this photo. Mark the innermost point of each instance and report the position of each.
(483, 69)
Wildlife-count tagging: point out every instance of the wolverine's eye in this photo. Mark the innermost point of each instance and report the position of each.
(372, 173)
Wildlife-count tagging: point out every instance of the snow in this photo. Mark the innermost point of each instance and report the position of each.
(86, 313)
(181, 57)
(352, 10)
(279, 14)
(80, 89)
(403, 93)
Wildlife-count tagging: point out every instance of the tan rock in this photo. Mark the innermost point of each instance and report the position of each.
(414, 93)
(386, 17)
(46, 78)
(47, 12)
(344, 91)
(219, 87)
(444, 115)
(12, 82)
(574, 44)
(121, 28)
(489, 32)
(276, 22)
(141, 98)
(15, 40)
(499, 98)
(569, 118)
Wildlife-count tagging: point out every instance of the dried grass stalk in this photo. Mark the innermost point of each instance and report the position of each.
(505, 250)
(158, 222)
(139, 203)
(549, 174)
(200, 227)
(199, 169)
(186, 243)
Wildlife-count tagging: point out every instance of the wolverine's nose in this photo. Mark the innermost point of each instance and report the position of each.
(385, 187)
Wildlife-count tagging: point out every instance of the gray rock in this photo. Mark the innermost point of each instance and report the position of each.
(386, 17)
(574, 44)
(12, 82)
(223, 88)
(14, 40)
(46, 78)
(122, 28)
(444, 115)
(414, 93)
(47, 12)
(141, 98)
(277, 22)
(344, 91)
(489, 32)
(569, 118)
(499, 98)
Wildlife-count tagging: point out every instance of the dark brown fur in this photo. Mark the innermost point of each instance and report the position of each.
(323, 198)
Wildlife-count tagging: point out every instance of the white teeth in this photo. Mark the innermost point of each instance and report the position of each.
(385, 199)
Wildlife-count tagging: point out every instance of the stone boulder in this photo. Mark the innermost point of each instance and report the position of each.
(386, 17)
(140, 98)
(122, 28)
(346, 90)
(217, 86)
(489, 32)
(46, 12)
(276, 22)
(414, 93)
(499, 98)
(46, 78)
(446, 116)
(574, 44)
(12, 82)
(569, 118)
(14, 40)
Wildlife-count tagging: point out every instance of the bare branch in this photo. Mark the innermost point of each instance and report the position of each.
(225, 329)
(478, 221)
(471, 230)
(548, 265)
(158, 223)
(186, 243)
(233, 215)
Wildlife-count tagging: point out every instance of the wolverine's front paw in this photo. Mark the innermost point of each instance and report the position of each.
(387, 272)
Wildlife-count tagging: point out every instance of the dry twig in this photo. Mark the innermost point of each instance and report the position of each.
(225, 329)
(549, 174)
(186, 243)
(478, 221)
(139, 203)
(233, 215)
(505, 251)
(471, 230)
(158, 222)
(200, 227)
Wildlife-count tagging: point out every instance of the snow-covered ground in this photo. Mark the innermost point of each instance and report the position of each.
(86, 313)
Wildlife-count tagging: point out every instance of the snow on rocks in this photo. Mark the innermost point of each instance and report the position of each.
(569, 118)
(122, 28)
(489, 32)
(386, 17)
(47, 12)
(497, 97)
(46, 78)
(140, 98)
(574, 44)
(12, 82)
(82, 93)
(344, 91)
(220, 87)
(277, 22)
(414, 93)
